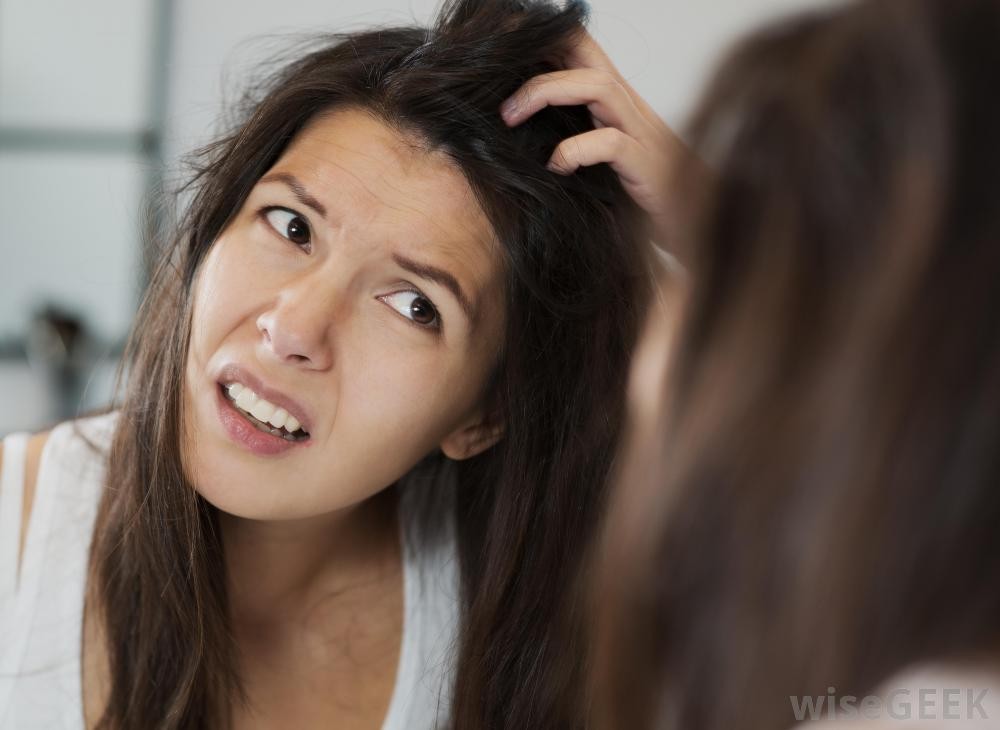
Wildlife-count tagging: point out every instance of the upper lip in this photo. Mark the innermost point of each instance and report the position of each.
(237, 373)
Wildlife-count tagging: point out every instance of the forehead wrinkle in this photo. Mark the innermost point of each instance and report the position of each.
(451, 250)
(408, 149)
(323, 177)
(410, 145)
(405, 202)
(459, 249)
(464, 222)
(387, 175)
(470, 234)
(386, 189)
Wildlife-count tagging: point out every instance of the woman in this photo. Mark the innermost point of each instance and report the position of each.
(810, 509)
(381, 314)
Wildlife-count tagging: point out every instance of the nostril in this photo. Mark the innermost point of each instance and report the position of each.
(292, 341)
(262, 328)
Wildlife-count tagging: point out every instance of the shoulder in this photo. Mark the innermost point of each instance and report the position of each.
(79, 448)
(32, 459)
(68, 444)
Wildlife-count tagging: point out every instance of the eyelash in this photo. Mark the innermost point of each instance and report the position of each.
(265, 212)
(434, 327)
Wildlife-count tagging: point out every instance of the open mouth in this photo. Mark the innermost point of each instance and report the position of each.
(281, 432)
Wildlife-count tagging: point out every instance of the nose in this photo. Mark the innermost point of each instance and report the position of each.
(296, 330)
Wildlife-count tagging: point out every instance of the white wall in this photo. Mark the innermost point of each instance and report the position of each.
(69, 215)
(74, 89)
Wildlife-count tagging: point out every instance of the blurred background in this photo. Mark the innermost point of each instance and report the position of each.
(99, 100)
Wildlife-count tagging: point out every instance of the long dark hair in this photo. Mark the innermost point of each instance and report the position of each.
(575, 280)
(818, 507)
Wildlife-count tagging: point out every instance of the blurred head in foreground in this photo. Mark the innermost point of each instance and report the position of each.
(810, 495)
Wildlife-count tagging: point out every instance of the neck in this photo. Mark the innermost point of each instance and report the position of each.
(280, 572)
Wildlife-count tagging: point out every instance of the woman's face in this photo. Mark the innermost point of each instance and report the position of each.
(359, 289)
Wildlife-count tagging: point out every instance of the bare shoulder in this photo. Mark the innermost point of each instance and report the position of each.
(32, 459)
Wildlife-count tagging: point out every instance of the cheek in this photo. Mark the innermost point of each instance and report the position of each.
(409, 397)
(407, 405)
(221, 301)
(224, 291)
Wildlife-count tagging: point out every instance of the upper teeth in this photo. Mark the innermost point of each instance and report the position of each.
(263, 410)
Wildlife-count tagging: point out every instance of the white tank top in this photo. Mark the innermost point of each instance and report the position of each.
(41, 611)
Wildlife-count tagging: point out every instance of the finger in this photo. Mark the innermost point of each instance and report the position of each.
(639, 171)
(608, 145)
(608, 102)
(588, 53)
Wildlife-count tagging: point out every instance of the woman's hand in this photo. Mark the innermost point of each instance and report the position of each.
(629, 135)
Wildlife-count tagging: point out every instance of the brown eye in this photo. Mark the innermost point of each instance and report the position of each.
(290, 225)
(415, 307)
(422, 311)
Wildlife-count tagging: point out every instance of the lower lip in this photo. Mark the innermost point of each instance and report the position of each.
(246, 434)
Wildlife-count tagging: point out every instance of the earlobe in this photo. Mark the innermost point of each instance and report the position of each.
(472, 440)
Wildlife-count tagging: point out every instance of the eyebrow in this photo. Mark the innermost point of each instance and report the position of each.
(298, 189)
(439, 276)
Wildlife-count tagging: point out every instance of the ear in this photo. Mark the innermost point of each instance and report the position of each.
(472, 437)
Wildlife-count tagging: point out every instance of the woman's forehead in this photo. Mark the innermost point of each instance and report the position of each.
(365, 172)
(366, 182)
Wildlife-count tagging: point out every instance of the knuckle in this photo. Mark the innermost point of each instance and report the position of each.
(607, 88)
(559, 155)
(540, 81)
(603, 78)
(615, 140)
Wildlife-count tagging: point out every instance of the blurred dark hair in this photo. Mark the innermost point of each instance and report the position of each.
(575, 283)
(819, 506)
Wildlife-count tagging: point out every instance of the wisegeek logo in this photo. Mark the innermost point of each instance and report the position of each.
(902, 704)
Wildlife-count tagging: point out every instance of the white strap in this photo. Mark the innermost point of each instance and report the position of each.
(15, 447)
(16, 627)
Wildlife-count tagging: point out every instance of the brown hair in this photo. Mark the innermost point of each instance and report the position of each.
(525, 508)
(818, 506)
